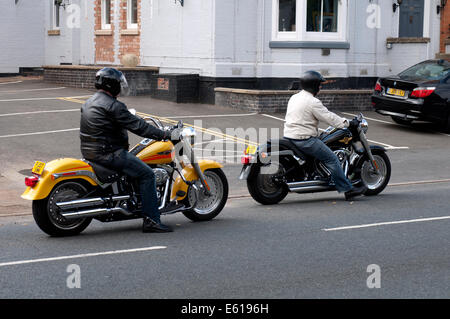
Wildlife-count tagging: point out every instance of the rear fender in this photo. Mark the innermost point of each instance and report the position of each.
(190, 175)
(57, 171)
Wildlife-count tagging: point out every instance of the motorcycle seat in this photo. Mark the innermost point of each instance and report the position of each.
(287, 144)
(104, 175)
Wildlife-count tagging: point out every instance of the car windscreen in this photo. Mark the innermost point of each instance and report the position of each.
(427, 71)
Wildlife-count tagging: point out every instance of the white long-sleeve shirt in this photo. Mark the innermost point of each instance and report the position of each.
(303, 115)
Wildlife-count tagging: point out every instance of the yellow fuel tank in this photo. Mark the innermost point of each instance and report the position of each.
(158, 153)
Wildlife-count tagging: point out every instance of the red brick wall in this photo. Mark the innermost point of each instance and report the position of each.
(104, 44)
(445, 26)
(129, 43)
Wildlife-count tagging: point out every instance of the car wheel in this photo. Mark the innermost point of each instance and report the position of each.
(401, 121)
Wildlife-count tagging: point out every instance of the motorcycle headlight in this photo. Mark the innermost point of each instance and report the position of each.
(189, 133)
(364, 126)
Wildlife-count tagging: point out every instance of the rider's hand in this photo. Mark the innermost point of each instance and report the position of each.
(174, 134)
(353, 123)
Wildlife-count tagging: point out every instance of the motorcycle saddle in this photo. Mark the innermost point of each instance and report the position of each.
(104, 175)
(285, 143)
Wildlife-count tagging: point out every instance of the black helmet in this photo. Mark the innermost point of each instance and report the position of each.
(112, 81)
(311, 81)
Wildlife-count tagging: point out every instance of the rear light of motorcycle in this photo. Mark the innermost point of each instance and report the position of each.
(421, 93)
(31, 181)
(247, 159)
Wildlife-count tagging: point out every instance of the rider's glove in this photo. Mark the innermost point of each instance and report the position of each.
(353, 123)
(174, 134)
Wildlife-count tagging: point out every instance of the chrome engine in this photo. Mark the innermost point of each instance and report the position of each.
(161, 176)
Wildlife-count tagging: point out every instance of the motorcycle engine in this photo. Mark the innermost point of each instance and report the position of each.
(161, 176)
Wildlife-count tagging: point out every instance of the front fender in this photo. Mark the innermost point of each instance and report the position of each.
(190, 175)
(60, 166)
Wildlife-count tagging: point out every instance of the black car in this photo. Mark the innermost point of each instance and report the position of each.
(420, 93)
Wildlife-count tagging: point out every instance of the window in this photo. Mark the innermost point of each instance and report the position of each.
(56, 15)
(287, 16)
(321, 16)
(132, 14)
(309, 20)
(106, 14)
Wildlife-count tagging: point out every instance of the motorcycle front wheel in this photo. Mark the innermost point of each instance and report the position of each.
(208, 207)
(47, 214)
(376, 183)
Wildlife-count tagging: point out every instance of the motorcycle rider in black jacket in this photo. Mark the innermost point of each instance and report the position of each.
(104, 140)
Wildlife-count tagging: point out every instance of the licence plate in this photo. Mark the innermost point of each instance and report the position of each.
(38, 168)
(251, 150)
(396, 92)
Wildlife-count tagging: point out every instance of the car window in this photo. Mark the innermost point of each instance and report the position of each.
(427, 71)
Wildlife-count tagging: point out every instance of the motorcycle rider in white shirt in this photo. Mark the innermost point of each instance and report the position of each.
(303, 115)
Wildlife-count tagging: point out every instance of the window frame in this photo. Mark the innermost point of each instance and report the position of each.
(106, 26)
(131, 25)
(301, 19)
(56, 12)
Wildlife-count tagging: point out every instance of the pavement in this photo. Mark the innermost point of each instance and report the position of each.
(309, 246)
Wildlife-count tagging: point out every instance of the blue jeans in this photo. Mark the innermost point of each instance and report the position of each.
(130, 165)
(314, 147)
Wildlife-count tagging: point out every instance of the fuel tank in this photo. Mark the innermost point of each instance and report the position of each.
(158, 153)
(337, 135)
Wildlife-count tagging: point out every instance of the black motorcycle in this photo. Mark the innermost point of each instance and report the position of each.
(279, 167)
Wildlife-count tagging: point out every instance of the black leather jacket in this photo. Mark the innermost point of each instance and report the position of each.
(104, 124)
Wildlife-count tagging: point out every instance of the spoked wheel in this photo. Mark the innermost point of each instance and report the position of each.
(263, 188)
(208, 207)
(376, 182)
(48, 215)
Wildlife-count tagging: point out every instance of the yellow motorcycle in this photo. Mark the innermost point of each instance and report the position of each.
(68, 193)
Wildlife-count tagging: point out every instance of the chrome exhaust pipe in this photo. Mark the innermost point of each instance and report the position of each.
(309, 187)
(94, 213)
(89, 202)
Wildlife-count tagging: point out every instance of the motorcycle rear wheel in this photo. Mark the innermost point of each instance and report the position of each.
(262, 187)
(47, 214)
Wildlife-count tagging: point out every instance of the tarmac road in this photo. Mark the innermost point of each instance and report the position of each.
(309, 246)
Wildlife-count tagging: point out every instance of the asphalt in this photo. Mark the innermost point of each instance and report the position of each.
(287, 251)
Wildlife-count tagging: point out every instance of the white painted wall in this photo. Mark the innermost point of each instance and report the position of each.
(178, 39)
(75, 44)
(244, 30)
(21, 35)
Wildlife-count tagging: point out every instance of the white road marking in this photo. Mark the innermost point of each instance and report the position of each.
(388, 223)
(32, 90)
(436, 181)
(274, 117)
(114, 252)
(211, 115)
(10, 82)
(372, 119)
(39, 112)
(39, 133)
(389, 147)
(386, 122)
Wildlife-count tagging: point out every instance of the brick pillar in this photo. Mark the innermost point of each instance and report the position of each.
(104, 39)
(130, 40)
(445, 26)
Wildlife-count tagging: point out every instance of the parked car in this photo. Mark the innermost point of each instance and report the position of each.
(420, 93)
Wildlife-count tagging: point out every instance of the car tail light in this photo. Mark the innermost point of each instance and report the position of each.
(378, 87)
(247, 159)
(31, 181)
(421, 93)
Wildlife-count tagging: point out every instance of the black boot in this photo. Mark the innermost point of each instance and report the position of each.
(350, 195)
(150, 226)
